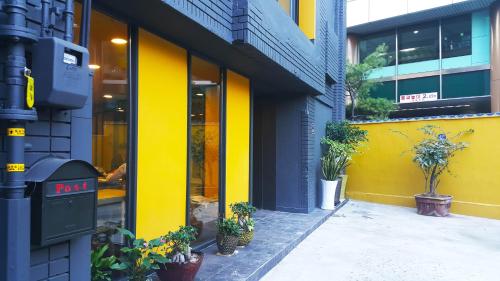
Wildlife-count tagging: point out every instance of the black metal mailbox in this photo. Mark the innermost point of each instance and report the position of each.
(64, 197)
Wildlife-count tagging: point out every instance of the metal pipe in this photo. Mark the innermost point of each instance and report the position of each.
(68, 21)
(85, 30)
(45, 18)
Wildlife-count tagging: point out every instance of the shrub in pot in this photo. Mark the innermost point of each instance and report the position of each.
(432, 154)
(183, 263)
(141, 257)
(228, 235)
(349, 138)
(243, 212)
(334, 161)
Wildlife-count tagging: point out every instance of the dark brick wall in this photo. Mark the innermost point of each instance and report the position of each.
(55, 133)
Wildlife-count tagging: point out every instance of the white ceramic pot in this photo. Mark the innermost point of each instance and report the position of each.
(328, 189)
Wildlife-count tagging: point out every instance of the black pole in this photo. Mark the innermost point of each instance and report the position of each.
(85, 30)
(14, 206)
(68, 21)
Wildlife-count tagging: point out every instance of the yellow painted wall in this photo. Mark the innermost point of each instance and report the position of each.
(307, 17)
(162, 136)
(237, 139)
(383, 174)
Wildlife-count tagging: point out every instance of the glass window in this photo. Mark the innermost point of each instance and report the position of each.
(290, 8)
(386, 90)
(424, 85)
(468, 84)
(418, 43)
(204, 156)
(368, 45)
(108, 48)
(456, 36)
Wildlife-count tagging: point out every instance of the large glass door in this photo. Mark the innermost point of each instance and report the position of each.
(205, 97)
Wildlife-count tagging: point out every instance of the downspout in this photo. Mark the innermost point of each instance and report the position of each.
(14, 206)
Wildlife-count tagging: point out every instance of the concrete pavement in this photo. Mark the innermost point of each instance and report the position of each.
(372, 242)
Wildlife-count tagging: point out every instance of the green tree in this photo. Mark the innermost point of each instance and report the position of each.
(359, 86)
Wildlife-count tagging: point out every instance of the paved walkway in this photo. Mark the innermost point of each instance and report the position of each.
(371, 242)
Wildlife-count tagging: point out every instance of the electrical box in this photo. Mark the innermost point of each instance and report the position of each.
(63, 200)
(61, 72)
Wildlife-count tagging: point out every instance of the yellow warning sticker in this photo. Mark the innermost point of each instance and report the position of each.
(15, 132)
(15, 168)
(30, 91)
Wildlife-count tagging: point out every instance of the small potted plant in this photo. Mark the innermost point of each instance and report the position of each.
(141, 257)
(351, 137)
(243, 212)
(101, 265)
(432, 155)
(228, 235)
(334, 161)
(184, 263)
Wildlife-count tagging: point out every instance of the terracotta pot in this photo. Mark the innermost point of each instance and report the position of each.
(227, 244)
(245, 238)
(438, 206)
(180, 272)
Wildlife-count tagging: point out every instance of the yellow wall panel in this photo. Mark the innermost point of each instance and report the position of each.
(383, 174)
(162, 136)
(237, 139)
(307, 18)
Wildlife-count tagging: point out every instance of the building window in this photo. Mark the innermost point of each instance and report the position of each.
(386, 90)
(418, 43)
(468, 84)
(108, 49)
(205, 99)
(426, 85)
(456, 36)
(290, 7)
(368, 45)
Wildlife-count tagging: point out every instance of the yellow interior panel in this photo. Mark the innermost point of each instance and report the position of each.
(237, 139)
(162, 136)
(383, 173)
(307, 18)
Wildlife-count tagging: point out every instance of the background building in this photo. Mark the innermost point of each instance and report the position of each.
(194, 105)
(442, 54)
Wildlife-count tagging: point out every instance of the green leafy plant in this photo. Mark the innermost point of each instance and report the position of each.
(228, 227)
(101, 265)
(243, 212)
(432, 154)
(179, 244)
(375, 108)
(334, 161)
(345, 133)
(141, 257)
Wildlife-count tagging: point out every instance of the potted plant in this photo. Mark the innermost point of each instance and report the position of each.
(333, 162)
(228, 235)
(243, 212)
(184, 263)
(101, 265)
(350, 137)
(432, 155)
(141, 257)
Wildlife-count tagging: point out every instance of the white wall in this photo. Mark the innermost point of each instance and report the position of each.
(363, 11)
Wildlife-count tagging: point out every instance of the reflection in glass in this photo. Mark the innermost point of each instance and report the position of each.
(456, 36)
(418, 43)
(369, 44)
(204, 161)
(108, 58)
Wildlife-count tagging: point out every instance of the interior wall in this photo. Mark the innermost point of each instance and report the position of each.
(162, 136)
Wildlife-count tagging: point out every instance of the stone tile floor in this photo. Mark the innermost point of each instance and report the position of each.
(276, 234)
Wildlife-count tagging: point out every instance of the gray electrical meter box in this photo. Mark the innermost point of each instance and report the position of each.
(61, 72)
(63, 200)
